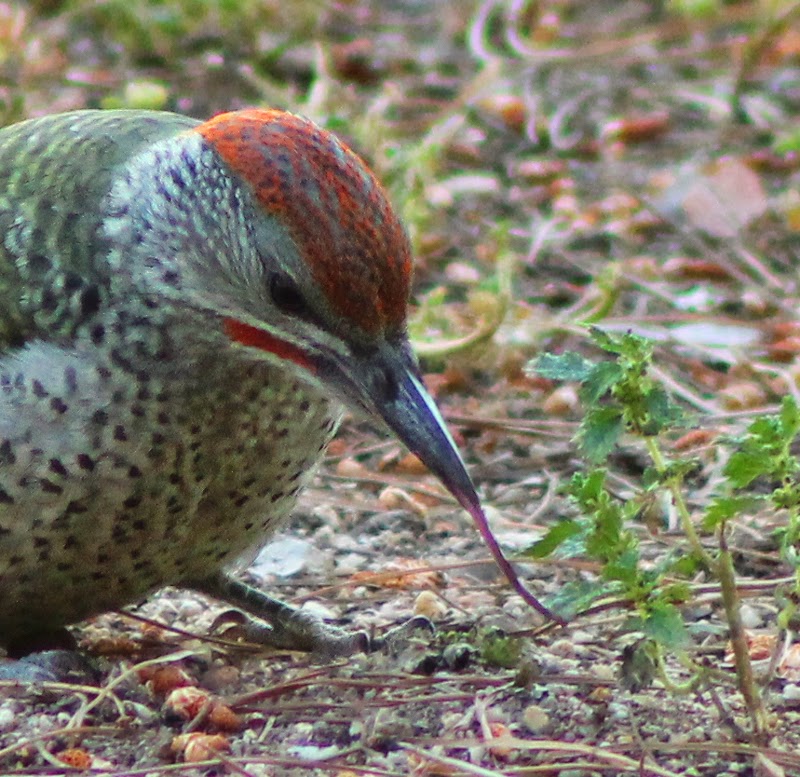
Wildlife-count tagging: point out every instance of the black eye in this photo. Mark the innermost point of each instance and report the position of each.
(286, 295)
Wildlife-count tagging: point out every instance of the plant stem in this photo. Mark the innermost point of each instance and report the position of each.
(678, 688)
(680, 504)
(741, 652)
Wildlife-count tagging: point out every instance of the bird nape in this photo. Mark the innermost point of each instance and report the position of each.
(185, 308)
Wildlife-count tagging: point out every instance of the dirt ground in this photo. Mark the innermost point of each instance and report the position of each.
(626, 164)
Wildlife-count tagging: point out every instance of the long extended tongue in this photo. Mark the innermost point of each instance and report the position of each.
(472, 505)
(415, 419)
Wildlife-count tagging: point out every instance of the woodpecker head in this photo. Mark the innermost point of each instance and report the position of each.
(337, 279)
(287, 242)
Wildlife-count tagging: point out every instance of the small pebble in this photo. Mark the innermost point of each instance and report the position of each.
(563, 647)
(220, 677)
(751, 617)
(791, 692)
(535, 718)
(604, 672)
(562, 401)
(7, 718)
(429, 605)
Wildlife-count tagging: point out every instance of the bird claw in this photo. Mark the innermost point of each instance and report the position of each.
(306, 633)
(394, 640)
(284, 627)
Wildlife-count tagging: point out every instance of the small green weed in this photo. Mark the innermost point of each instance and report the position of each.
(622, 400)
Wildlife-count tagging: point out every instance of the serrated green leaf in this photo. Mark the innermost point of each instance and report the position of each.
(556, 535)
(652, 478)
(676, 592)
(664, 624)
(789, 418)
(565, 366)
(744, 467)
(605, 541)
(764, 433)
(573, 547)
(786, 497)
(680, 468)
(636, 349)
(629, 346)
(661, 410)
(576, 595)
(726, 507)
(599, 382)
(624, 568)
(600, 430)
(605, 340)
(686, 566)
(586, 489)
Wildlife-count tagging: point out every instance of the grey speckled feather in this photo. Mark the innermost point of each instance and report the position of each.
(51, 171)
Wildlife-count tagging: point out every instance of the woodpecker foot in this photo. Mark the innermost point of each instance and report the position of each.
(306, 633)
(286, 628)
(302, 631)
(394, 640)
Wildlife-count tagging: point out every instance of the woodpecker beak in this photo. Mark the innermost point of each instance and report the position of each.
(409, 410)
(414, 417)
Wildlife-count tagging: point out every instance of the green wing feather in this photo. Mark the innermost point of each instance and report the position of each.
(54, 174)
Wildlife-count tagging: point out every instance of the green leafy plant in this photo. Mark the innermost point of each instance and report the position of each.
(624, 404)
